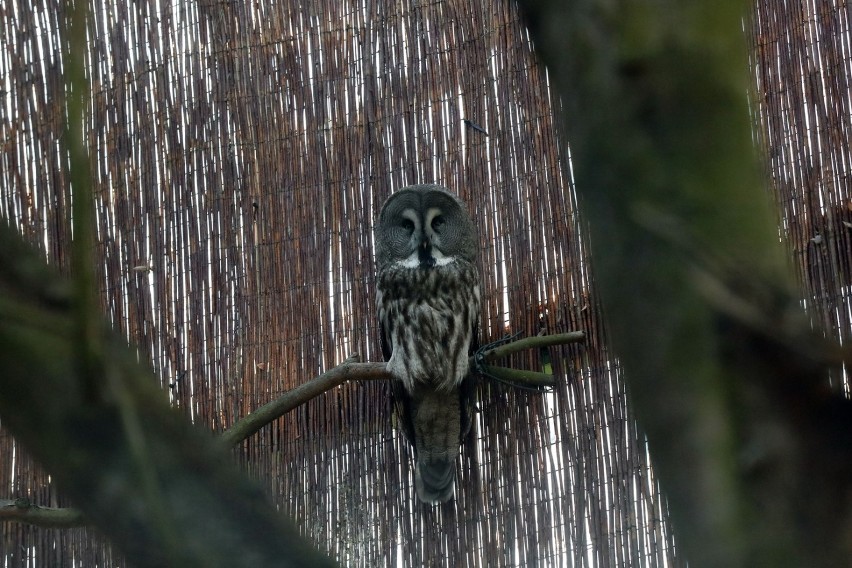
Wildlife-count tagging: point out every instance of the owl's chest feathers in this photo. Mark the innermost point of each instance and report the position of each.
(428, 315)
(430, 285)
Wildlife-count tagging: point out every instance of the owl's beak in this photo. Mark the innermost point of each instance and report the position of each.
(425, 254)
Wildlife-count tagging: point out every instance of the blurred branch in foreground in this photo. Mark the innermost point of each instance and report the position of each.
(207, 512)
(72, 392)
(752, 448)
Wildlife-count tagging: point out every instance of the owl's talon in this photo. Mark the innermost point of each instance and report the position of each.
(479, 354)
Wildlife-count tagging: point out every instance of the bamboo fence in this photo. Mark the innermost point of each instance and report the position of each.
(802, 62)
(241, 151)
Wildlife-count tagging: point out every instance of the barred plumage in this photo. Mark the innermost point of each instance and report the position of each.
(428, 303)
(427, 317)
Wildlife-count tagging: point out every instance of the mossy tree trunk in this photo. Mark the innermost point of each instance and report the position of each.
(726, 378)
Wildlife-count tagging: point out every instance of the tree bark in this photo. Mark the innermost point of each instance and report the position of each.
(166, 493)
(725, 377)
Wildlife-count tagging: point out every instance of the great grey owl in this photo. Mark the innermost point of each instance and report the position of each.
(428, 304)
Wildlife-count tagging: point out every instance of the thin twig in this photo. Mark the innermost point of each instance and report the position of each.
(532, 342)
(519, 378)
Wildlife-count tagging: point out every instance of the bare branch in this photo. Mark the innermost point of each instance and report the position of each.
(350, 370)
(21, 510)
(533, 343)
(519, 377)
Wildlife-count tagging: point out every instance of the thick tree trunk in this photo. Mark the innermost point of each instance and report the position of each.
(725, 376)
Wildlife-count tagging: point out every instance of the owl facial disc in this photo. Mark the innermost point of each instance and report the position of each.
(425, 240)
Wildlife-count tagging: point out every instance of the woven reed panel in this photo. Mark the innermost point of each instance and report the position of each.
(241, 151)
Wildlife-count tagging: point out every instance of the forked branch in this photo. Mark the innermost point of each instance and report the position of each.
(25, 512)
(351, 370)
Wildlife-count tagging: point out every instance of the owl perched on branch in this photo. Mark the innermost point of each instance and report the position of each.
(428, 303)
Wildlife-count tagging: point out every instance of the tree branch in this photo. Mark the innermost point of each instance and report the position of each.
(22, 511)
(206, 511)
(349, 370)
(533, 342)
(71, 391)
(257, 419)
(520, 378)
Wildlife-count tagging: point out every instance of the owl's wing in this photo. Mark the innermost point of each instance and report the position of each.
(384, 336)
(402, 407)
(401, 398)
(467, 389)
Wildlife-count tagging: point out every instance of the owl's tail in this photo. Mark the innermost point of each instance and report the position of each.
(437, 429)
(435, 479)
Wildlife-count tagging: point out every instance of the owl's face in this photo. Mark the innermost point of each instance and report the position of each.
(423, 226)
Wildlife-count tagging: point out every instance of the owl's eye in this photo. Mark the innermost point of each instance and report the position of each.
(408, 225)
(438, 222)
